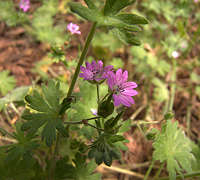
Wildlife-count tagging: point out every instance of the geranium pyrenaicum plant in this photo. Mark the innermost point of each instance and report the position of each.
(121, 89)
(95, 72)
(24, 5)
(73, 28)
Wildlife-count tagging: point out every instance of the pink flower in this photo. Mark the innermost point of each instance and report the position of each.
(196, 1)
(121, 89)
(73, 28)
(95, 71)
(24, 5)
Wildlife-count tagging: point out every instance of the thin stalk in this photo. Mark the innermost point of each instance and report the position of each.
(159, 171)
(188, 119)
(98, 94)
(82, 121)
(188, 175)
(81, 60)
(149, 170)
(173, 86)
(71, 88)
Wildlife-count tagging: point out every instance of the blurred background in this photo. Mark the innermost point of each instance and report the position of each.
(168, 58)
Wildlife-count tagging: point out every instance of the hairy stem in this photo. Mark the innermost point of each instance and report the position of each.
(173, 87)
(71, 88)
(81, 60)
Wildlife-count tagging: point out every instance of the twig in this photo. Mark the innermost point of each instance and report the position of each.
(14, 108)
(8, 139)
(123, 171)
(137, 112)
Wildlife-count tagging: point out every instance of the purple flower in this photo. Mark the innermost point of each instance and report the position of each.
(95, 71)
(25, 5)
(73, 28)
(122, 90)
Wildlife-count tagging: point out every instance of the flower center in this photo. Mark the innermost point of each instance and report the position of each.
(117, 89)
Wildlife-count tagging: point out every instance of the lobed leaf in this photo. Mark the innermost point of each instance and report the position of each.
(7, 82)
(114, 6)
(48, 107)
(173, 147)
(126, 37)
(132, 19)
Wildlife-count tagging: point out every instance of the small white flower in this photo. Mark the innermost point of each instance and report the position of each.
(94, 111)
(175, 54)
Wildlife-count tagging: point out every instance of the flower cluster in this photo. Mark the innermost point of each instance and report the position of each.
(120, 88)
(24, 5)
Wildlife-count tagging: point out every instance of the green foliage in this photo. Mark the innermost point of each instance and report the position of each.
(123, 24)
(80, 171)
(19, 161)
(10, 15)
(109, 41)
(45, 109)
(16, 95)
(173, 147)
(161, 92)
(117, 63)
(148, 63)
(103, 149)
(114, 6)
(7, 83)
(44, 28)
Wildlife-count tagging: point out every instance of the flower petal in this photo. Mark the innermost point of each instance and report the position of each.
(128, 85)
(125, 100)
(117, 101)
(119, 76)
(125, 76)
(129, 92)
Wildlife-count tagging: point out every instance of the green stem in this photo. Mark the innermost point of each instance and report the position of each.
(149, 170)
(98, 94)
(82, 121)
(188, 175)
(159, 171)
(81, 60)
(173, 86)
(71, 88)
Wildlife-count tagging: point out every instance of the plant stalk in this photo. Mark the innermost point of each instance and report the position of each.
(173, 87)
(188, 175)
(81, 60)
(71, 88)
(149, 170)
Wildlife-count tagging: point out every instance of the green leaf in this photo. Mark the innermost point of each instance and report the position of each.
(90, 4)
(126, 37)
(116, 138)
(84, 12)
(10, 15)
(114, 6)
(15, 95)
(113, 21)
(96, 16)
(7, 82)
(132, 19)
(161, 92)
(173, 147)
(47, 104)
